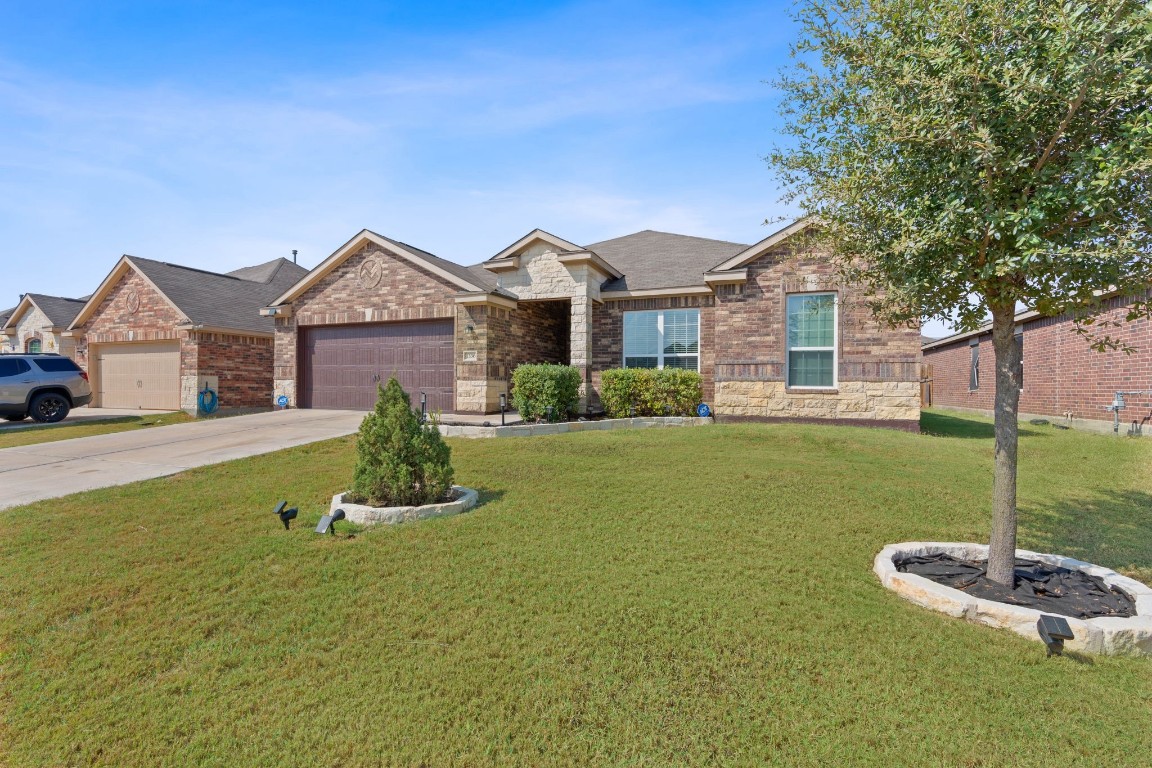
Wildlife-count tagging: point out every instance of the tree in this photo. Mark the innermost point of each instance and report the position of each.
(965, 157)
(399, 460)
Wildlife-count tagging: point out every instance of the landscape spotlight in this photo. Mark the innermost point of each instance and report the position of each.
(328, 522)
(284, 514)
(1054, 630)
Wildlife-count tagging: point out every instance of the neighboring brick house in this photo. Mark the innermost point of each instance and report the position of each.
(1063, 376)
(154, 334)
(768, 326)
(38, 324)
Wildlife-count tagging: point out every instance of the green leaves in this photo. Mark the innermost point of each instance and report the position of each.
(399, 460)
(958, 149)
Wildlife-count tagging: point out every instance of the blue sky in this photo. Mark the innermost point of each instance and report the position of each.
(224, 134)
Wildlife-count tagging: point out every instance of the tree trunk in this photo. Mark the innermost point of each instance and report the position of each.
(1002, 546)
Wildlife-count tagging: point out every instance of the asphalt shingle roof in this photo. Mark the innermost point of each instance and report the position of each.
(59, 310)
(651, 259)
(224, 301)
(475, 275)
(275, 272)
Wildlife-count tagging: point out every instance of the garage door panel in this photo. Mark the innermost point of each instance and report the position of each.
(341, 365)
(140, 375)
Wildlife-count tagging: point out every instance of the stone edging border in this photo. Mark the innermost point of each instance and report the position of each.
(365, 515)
(1108, 635)
(530, 430)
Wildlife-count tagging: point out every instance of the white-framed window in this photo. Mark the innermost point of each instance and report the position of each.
(662, 338)
(811, 340)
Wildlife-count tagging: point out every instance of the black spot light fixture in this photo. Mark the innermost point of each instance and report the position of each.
(328, 522)
(1054, 630)
(285, 514)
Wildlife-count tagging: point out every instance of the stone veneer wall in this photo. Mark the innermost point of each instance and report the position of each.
(742, 343)
(36, 325)
(541, 276)
(877, 366)
(404, 292)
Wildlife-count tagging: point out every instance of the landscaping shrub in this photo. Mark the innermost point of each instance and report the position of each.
(399, 460)
(651, 392)
(536, 387)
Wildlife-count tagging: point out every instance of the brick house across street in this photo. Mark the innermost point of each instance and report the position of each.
(768, 326)
(39, 323)
(154, 334)
(1063, 377)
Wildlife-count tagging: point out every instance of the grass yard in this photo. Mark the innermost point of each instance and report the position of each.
(657, 597)
(47, 433)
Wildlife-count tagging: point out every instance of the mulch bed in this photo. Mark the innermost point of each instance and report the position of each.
(1044, 587)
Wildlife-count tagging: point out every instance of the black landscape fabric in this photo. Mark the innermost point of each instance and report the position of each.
(1046, 588)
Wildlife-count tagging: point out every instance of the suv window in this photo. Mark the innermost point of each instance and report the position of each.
(13, 367)
(55, 364)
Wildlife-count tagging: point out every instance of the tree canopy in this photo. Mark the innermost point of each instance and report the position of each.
(965, 157)
(978, 153)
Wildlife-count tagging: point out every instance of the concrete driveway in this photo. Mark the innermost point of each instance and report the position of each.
(49, 470)
(83, 415)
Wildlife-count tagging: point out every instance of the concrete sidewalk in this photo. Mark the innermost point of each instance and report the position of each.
(49, 470)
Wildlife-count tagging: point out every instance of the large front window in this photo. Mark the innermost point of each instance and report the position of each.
(668, 338)
(812, 340)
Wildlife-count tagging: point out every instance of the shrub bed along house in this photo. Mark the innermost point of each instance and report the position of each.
(399, 460)
(628, 392)
(536, 388)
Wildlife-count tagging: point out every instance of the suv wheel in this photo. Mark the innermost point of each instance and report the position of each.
(16, 417)
(49, 407)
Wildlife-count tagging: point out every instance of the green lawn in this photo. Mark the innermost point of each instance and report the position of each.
(47, 433)
(652, 597)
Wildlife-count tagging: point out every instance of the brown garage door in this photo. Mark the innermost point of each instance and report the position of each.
(340, 365)
(140, 375)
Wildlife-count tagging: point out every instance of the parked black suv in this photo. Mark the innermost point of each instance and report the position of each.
(44, 386)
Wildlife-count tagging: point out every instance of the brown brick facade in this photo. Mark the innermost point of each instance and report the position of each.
(242, 364)
(608, 334)
(560, 312)
(1062, 373)
(352, 294)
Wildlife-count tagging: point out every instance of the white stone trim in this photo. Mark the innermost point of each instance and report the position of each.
(365, 515)
(1109, 635)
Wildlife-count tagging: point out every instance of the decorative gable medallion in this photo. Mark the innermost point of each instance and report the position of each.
(370, 273)
(132, 302)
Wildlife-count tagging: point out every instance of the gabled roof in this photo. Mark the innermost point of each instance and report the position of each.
(276, 272)
(464, 278)
(756, 250)
(651, 259)
(537, 234)
(59, 310)
(205, 298)
(5, 314)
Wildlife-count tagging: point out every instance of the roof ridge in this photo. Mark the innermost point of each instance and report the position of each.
(670, 234)
(189, 269)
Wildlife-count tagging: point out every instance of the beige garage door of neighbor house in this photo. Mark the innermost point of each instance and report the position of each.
(142, 375)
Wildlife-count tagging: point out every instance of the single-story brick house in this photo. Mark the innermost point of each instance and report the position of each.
(154, 334)
(768, 326)
(1063, 376)
(38, 324)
